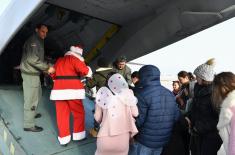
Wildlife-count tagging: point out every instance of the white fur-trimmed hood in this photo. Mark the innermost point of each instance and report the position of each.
(75, 54)
(226, 113)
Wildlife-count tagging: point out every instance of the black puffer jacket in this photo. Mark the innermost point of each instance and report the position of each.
(203, 116)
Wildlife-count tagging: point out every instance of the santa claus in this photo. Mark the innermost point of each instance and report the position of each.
(68, 92)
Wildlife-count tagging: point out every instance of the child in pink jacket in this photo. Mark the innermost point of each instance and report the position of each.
(115, 111)
(224, 99)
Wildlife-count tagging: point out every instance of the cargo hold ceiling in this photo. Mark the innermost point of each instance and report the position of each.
(115, 11)
(66, 28)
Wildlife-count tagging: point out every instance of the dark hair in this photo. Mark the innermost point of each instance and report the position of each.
(38, 26)
(191, 76)
(135, 74)
(121, 59)
(186, 74)
(182, 74)
(176, 82)
(222, 84)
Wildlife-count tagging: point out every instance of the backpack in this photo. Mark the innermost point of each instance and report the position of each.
(107, 76)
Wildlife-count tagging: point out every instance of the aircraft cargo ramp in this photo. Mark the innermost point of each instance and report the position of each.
(15, 141)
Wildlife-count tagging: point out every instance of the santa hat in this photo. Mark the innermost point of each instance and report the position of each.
(77, 49)
(206, 70)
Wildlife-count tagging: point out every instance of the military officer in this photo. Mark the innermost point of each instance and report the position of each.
(32, 64)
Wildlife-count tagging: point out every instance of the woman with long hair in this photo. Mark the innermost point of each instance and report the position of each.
(203, 118)
(224, 99)
(184, 97)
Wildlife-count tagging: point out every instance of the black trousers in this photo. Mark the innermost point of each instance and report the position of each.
(207, 144)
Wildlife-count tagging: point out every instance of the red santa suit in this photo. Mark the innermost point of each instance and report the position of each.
(68, 92)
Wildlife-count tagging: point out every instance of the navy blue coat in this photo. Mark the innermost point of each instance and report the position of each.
(158, 110)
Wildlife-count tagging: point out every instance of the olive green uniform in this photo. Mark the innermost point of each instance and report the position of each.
(125, 72)
(99, 78)
(32, 64)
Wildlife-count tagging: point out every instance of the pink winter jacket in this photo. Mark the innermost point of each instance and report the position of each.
(117, 120)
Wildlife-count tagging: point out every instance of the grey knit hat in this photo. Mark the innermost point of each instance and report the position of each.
(206, 70)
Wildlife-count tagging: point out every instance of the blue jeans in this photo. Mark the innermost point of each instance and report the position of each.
(138, 149)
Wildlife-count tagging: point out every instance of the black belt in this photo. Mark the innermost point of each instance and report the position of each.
(67, 77)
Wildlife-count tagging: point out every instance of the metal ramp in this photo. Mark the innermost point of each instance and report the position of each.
(15, 141)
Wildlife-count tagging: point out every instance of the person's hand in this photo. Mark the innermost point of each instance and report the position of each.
(88, 78)
(51, 70)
